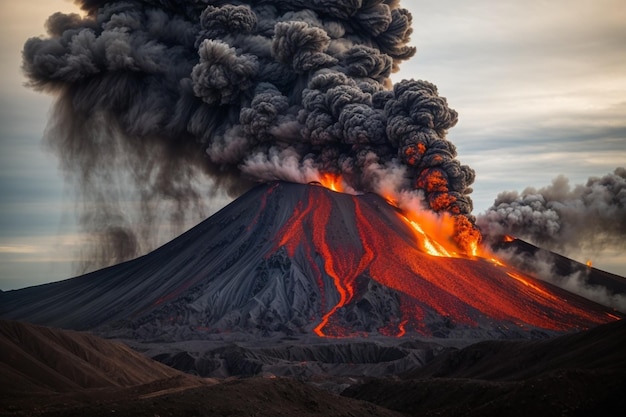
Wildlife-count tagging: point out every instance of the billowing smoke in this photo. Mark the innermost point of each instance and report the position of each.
(586, 218)
(162, 97)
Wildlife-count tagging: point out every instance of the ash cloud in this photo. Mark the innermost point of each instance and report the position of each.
(158, 98)
(585, 218)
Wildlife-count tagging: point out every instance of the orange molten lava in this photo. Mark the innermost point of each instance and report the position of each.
(422, 265)
(442, 234)
(430, 246)
(332, 181)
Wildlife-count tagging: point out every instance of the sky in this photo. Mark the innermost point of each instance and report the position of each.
(540, 88)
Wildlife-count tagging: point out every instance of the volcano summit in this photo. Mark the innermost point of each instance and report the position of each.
(288, 259)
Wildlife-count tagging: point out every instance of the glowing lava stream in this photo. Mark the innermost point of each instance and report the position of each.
(435, 240)
(347, 234)
(342, 269)
(430, 246)
(524, 281)
(338, 267)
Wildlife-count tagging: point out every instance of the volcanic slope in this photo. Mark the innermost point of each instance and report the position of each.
(291, 258)
(563, 267)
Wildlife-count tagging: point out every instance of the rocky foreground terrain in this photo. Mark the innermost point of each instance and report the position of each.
(51, 372)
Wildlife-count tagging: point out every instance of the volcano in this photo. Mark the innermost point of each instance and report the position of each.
(294, 259)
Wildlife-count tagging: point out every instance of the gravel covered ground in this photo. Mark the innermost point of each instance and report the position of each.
(50, 372)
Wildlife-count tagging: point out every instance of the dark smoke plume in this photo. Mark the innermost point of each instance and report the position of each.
(588, 217)
(158, 98)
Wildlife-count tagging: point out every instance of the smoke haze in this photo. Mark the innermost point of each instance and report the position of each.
(161, 103)
(573, 221)
(542, 264)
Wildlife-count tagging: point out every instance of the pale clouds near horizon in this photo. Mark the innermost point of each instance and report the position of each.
(540, 87)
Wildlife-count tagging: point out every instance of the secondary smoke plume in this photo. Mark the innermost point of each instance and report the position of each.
(588, 217)
(542, 264)
(156, 96)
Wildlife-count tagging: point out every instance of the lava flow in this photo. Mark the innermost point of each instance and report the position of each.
(439, 234)
(431, 275)
(342, 269)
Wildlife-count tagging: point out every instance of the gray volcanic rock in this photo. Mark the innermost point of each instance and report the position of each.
(600, 348)
(578, 374)
(300, 358)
